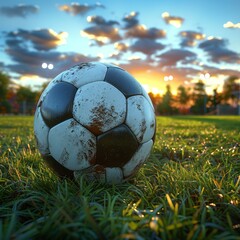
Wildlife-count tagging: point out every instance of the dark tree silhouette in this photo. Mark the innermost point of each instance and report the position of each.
(166, 105)
(4, 83)
(182, 98)
(27, 98)
(199, 98)
(231, 90)
(215, 99)
(5, 107)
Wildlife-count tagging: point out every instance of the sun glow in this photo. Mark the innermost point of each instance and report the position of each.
(210, 82)
(151, 89)
(29, 77)
(150, 80)
(33, 81)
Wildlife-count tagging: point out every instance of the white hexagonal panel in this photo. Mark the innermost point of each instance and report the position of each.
(84, 73)
(72, 145)
(99, 106)
(140, 118)
(41, 132)
(138, 159)
(100, 174)
(114, 175)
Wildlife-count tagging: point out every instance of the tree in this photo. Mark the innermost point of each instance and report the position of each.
(199, 98)
(182, 95)
(215, 99)
(231, 89)
(4, 83)
(12, 100)
(27, 98)
(155, 98)
(183, 98)
(165, 106)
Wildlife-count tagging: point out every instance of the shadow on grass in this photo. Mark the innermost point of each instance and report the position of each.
(223, 122)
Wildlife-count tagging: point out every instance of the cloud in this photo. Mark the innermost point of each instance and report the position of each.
(102, 31)
(131, 20)
(136, 65)
(42, 39)
(146, 46)
(140, 31)
(231, 25)
(79, 9)
(133, 29)
(28, 62)
(217, 51)
(172, 20)
(215, 71)
(181, 74)
(21, 54)
(98, 20)
(21, 10)
(175, 56)
(189, 38)
(116, 55)
(121, 46)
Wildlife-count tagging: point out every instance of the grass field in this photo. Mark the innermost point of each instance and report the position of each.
(188, 189)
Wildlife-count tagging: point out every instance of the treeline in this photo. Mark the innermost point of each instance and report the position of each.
(195, 100)
(16, 99)
(23, 100)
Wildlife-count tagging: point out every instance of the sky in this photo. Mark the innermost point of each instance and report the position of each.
(160, 42)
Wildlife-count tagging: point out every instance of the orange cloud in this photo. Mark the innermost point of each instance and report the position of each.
(172, 20)
(102, 31)
(120, 46)
(101, 34)
(42, 39)
(189, 38)
(141, 31)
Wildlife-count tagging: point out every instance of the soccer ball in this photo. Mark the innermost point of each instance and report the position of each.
(96, 120)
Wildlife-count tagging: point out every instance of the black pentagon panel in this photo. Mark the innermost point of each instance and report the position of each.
(57, 167)
(116, 147)
(123, 81)
(57, 105)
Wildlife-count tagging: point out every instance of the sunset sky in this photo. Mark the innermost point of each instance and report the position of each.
(158, 41)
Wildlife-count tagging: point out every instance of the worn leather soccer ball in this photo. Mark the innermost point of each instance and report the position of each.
(95, 119)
